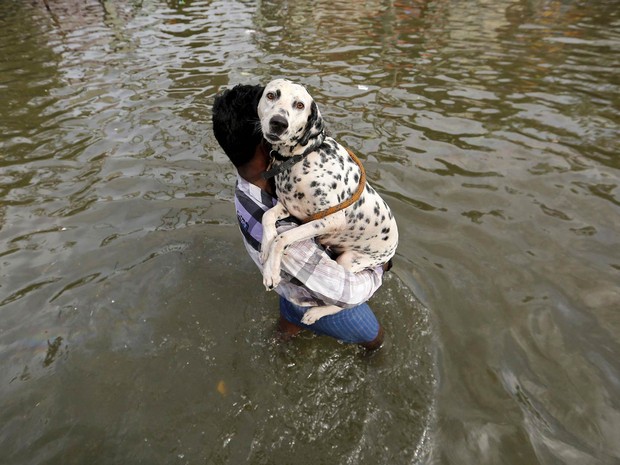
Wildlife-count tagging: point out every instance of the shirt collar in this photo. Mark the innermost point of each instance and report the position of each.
(256, 193)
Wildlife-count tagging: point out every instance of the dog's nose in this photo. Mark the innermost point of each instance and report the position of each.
(278, 124)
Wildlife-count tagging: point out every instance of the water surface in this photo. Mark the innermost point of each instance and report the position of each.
(134, 328)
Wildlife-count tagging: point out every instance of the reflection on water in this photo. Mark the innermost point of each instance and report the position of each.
(134, 328)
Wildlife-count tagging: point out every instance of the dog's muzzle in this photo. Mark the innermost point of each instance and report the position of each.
(277, 125)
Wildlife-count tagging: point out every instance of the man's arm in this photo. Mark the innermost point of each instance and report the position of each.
(308, 262)
(311, 277)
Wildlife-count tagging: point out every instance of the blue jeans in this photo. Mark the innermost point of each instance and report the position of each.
(355, 325)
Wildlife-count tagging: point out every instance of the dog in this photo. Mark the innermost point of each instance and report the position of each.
(314, 173)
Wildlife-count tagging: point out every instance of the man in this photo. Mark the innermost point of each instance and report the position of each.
(311, 277)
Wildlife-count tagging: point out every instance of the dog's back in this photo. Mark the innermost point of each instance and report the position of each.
(325, 178)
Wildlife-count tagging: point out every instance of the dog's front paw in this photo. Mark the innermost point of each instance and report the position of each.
(271, 275)
(311, 316)
(271, 281)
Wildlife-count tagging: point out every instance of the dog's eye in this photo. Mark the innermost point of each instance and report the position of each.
(270, 95)
(299, 105)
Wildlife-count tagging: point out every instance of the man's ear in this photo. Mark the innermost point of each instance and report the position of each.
(258, 93)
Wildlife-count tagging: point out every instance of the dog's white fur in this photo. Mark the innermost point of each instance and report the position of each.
(365, 234)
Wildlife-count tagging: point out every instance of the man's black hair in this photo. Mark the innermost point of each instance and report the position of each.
(235, 122)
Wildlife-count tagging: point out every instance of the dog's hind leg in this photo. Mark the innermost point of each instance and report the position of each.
(354, 261)
(316, 313)
(349, 260)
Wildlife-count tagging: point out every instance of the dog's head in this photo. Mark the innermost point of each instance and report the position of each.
(290, 120)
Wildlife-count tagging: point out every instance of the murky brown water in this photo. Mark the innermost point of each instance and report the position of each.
(133, 327)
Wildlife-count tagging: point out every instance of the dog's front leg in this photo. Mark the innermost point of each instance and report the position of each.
(277, 212)
(271, 269)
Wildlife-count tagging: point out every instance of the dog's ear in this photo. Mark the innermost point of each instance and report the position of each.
(314, 125)
(315, 119)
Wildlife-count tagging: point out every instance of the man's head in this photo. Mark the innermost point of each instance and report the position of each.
(289, 118)
(235, 122)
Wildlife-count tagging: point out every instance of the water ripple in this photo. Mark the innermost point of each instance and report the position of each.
(492, 131)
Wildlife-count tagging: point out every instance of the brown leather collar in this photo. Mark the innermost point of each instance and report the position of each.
(348, 202)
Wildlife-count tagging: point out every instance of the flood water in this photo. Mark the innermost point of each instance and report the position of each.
(134, 329)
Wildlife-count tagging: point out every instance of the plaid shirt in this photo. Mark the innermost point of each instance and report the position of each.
(310, 276)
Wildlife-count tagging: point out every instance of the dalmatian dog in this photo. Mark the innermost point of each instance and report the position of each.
(314, 173)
